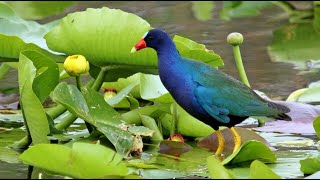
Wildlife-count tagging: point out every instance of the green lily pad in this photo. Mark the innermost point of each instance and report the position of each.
(295, 43)
(217, 170)
(203, 10)
(316, 126)
(82, 160)
(152, 89)
(316, 20)
(38, 10)
(240, 9)
(250, 151)
(193, 50)
(104, 36)
(259, 170)
(310, 165)
(173, 148)
(17, 35)
(9, 155)
(308, 95)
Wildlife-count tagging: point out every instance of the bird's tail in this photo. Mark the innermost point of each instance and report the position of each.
(283, 109)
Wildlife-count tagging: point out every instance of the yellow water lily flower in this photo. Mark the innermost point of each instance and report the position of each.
(76, 65)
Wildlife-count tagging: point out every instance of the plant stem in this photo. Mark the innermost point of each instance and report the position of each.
(174, 118)
(90, 83)
(99, 80)
(22, 143)
(239, 64)
(56, 111)
(79, 83)
(66, 121)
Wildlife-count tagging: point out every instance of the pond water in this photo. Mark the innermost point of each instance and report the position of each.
(277, 80)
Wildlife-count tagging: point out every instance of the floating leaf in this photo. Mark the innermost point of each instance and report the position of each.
(104, 36)
(193, 50)
(202, 10)
(138, 163)
(38, 10)
(295, 43)
(239, 9)
(152, 89)
(160, 174)
(309, 95)
(316, 19)
(211, 141)
(310, 165)
(17, 35)
(82, 160)
(217, 170)
(9, 155)
(316, 126)
(259, 170)
(250, 151)
(173, 148)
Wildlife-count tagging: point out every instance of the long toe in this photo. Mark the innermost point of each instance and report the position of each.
(237, 139)
(220, 143)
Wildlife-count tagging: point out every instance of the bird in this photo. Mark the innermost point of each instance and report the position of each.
(205, 92)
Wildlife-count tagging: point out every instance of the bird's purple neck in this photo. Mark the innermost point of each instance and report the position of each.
(167, 53)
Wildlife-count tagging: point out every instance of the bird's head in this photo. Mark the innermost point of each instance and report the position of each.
(153, 39)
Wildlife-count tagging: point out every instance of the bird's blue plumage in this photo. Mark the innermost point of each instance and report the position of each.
(205, 92)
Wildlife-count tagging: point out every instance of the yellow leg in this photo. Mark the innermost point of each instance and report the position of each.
(237, 139)
(220, 143)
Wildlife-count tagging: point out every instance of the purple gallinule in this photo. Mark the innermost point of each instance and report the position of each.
(206, 93)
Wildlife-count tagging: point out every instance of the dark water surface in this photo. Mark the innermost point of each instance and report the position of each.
(277, 80)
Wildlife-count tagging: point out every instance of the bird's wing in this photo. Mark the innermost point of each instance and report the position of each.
(221, 95)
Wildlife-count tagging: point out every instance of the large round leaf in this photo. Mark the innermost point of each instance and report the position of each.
(82, 160)
(17, 35)
(104, 36)
(39, 9)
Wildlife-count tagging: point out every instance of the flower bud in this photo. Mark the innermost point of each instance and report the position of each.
(235, 38)
(76, 65)
(109, 93)
(176, 137)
